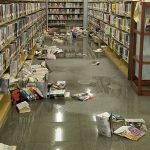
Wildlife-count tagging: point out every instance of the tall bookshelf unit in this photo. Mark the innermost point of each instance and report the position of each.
(21, 22)
(140, 50)
(64, 13)
(110, 21)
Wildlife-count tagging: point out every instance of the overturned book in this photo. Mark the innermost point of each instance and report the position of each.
(23, 107)
(130, 132)
(7, 147)
(138, 123)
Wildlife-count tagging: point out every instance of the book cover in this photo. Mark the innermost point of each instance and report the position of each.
(23, 107)
(130, 132)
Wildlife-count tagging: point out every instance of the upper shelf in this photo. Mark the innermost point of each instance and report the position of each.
(65, 1)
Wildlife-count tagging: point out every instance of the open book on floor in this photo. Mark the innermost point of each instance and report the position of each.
(7, 147)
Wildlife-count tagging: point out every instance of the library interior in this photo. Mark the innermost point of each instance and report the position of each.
(70, 70)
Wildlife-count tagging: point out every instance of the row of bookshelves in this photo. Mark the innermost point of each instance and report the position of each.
(120, 8)
(65, 11)
(65, 1)
(65, 5)
(11, 31)
(21, 45)
(108, 1)
(112, 40)
(122, 37)
(113, 20)
(12, 11)
(65, 17)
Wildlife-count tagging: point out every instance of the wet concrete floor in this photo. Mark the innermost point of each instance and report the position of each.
(67, 124)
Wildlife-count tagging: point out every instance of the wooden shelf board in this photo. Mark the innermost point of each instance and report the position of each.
(4, 108)
(123, 67)
(1, 96)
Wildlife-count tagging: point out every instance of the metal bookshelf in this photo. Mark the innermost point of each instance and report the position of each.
(110, 22)
(35, 26)
(64, 13)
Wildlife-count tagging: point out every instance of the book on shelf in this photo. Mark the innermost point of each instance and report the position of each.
(4, 85)
(13, 68)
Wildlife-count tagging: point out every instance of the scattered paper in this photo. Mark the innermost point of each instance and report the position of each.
(98, 50)
(67, 95)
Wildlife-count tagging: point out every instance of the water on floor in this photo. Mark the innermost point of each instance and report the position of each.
(67, 124)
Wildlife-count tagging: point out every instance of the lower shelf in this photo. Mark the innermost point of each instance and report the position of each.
(5, 105)
(122, 66)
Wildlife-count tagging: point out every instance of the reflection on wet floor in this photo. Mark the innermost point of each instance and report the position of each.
(66, 124)
(76, 48)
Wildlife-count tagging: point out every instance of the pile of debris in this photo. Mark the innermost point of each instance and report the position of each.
(113, 123)
(58, 89)
(48, 52)
(84, 96)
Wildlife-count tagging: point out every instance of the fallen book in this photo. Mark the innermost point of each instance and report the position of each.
(138, 123)
(116, 117)
(59, 93)
(129, 132)
(7, 147)
(23, 107)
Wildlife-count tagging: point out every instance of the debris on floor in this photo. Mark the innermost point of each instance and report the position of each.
(49, 52)
(117, 118)
(23, 107)
(96, 63)
(99, 50)
(7, 147)
(83, 96)
(103, 124)
(130, 132)
(113, 123)
(138, 123)
(57, 89)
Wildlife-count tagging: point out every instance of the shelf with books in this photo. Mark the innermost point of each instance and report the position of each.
(67, 20)
(13, 20)
(66, 1)
(65, 7)
(112, 21)
(5, 41)
(11, 12)
(20, 24)
(65, 12)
